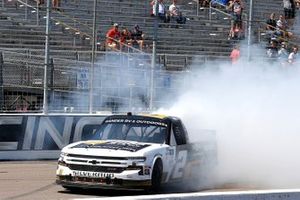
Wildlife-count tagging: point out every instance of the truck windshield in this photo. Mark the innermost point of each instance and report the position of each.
(132, 131)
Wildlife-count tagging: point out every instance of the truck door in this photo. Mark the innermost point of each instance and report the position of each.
(170, 157)
(177, 153)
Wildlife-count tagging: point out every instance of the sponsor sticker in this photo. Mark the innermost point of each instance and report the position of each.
(136, 121)
(93, 174)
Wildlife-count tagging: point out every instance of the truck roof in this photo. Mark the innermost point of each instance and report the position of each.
(141, 115)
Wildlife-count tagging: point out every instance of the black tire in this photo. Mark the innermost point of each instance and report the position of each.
(156, 177)
(71, 189)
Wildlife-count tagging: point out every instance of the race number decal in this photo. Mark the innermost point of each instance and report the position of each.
(180, 164)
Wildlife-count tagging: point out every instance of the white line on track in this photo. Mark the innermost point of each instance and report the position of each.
(282, 194)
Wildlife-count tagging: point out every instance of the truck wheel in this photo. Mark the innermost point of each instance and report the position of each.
(70, 188)
(156, 176)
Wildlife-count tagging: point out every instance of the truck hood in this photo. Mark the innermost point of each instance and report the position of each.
(117, 148)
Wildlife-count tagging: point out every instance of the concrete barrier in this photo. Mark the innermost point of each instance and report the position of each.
(30, 155)
(32, 136)
(235, 195)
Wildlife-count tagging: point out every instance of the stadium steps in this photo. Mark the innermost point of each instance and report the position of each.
(192, 30)
(196, 29)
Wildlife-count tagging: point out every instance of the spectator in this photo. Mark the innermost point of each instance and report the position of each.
(235, 33)
(271, 26)
(40, 2)
(297, 2)
(289, 10)
(33, 106)
(176, 14)
(113, 37)
(293, 14)
(125, 39)
(162, 14)
(293, 55)
(283, 53)
(287, 7)
(272, 51)
(204, 3)
(138, 37)
(281, 28)
(236, 8)
(235, 54)
(56, 5)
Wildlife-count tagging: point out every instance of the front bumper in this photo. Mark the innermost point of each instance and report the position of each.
(102, 183)
(127, 179)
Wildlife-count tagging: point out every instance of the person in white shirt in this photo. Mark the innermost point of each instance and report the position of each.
(176, 13)
(293, 55)
(161, 10)
(281, 28)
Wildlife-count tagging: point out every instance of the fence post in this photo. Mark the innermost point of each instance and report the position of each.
(51, 85)
(76, 56)
(250, 29)
(46, 63)
(26, 10)
(210, 12)
(198, 7)
(259, 35)
(1, 81)
(245, 28)
(153, 60)
(37, 14)
(128, 57)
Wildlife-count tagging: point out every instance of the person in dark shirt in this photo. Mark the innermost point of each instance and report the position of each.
(138, 36)
(293, 12)
(125, 39)
(204, 3)
(271, 22)
(236, 7)
(271, 27)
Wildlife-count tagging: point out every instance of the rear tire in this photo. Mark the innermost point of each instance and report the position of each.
(156, 177)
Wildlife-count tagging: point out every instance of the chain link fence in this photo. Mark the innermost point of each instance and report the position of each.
(121, 83)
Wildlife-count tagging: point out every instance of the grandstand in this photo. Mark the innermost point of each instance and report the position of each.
(201, 40)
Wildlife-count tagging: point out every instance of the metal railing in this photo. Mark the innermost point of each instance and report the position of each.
(212, 8)
(29, 9)
(227, 15)
(262, 30)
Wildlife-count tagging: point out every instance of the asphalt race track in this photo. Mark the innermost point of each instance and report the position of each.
(35, 180)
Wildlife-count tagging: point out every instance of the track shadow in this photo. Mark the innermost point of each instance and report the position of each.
(169, 189)
(103, 192)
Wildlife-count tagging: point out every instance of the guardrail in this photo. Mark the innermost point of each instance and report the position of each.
(262, 29)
